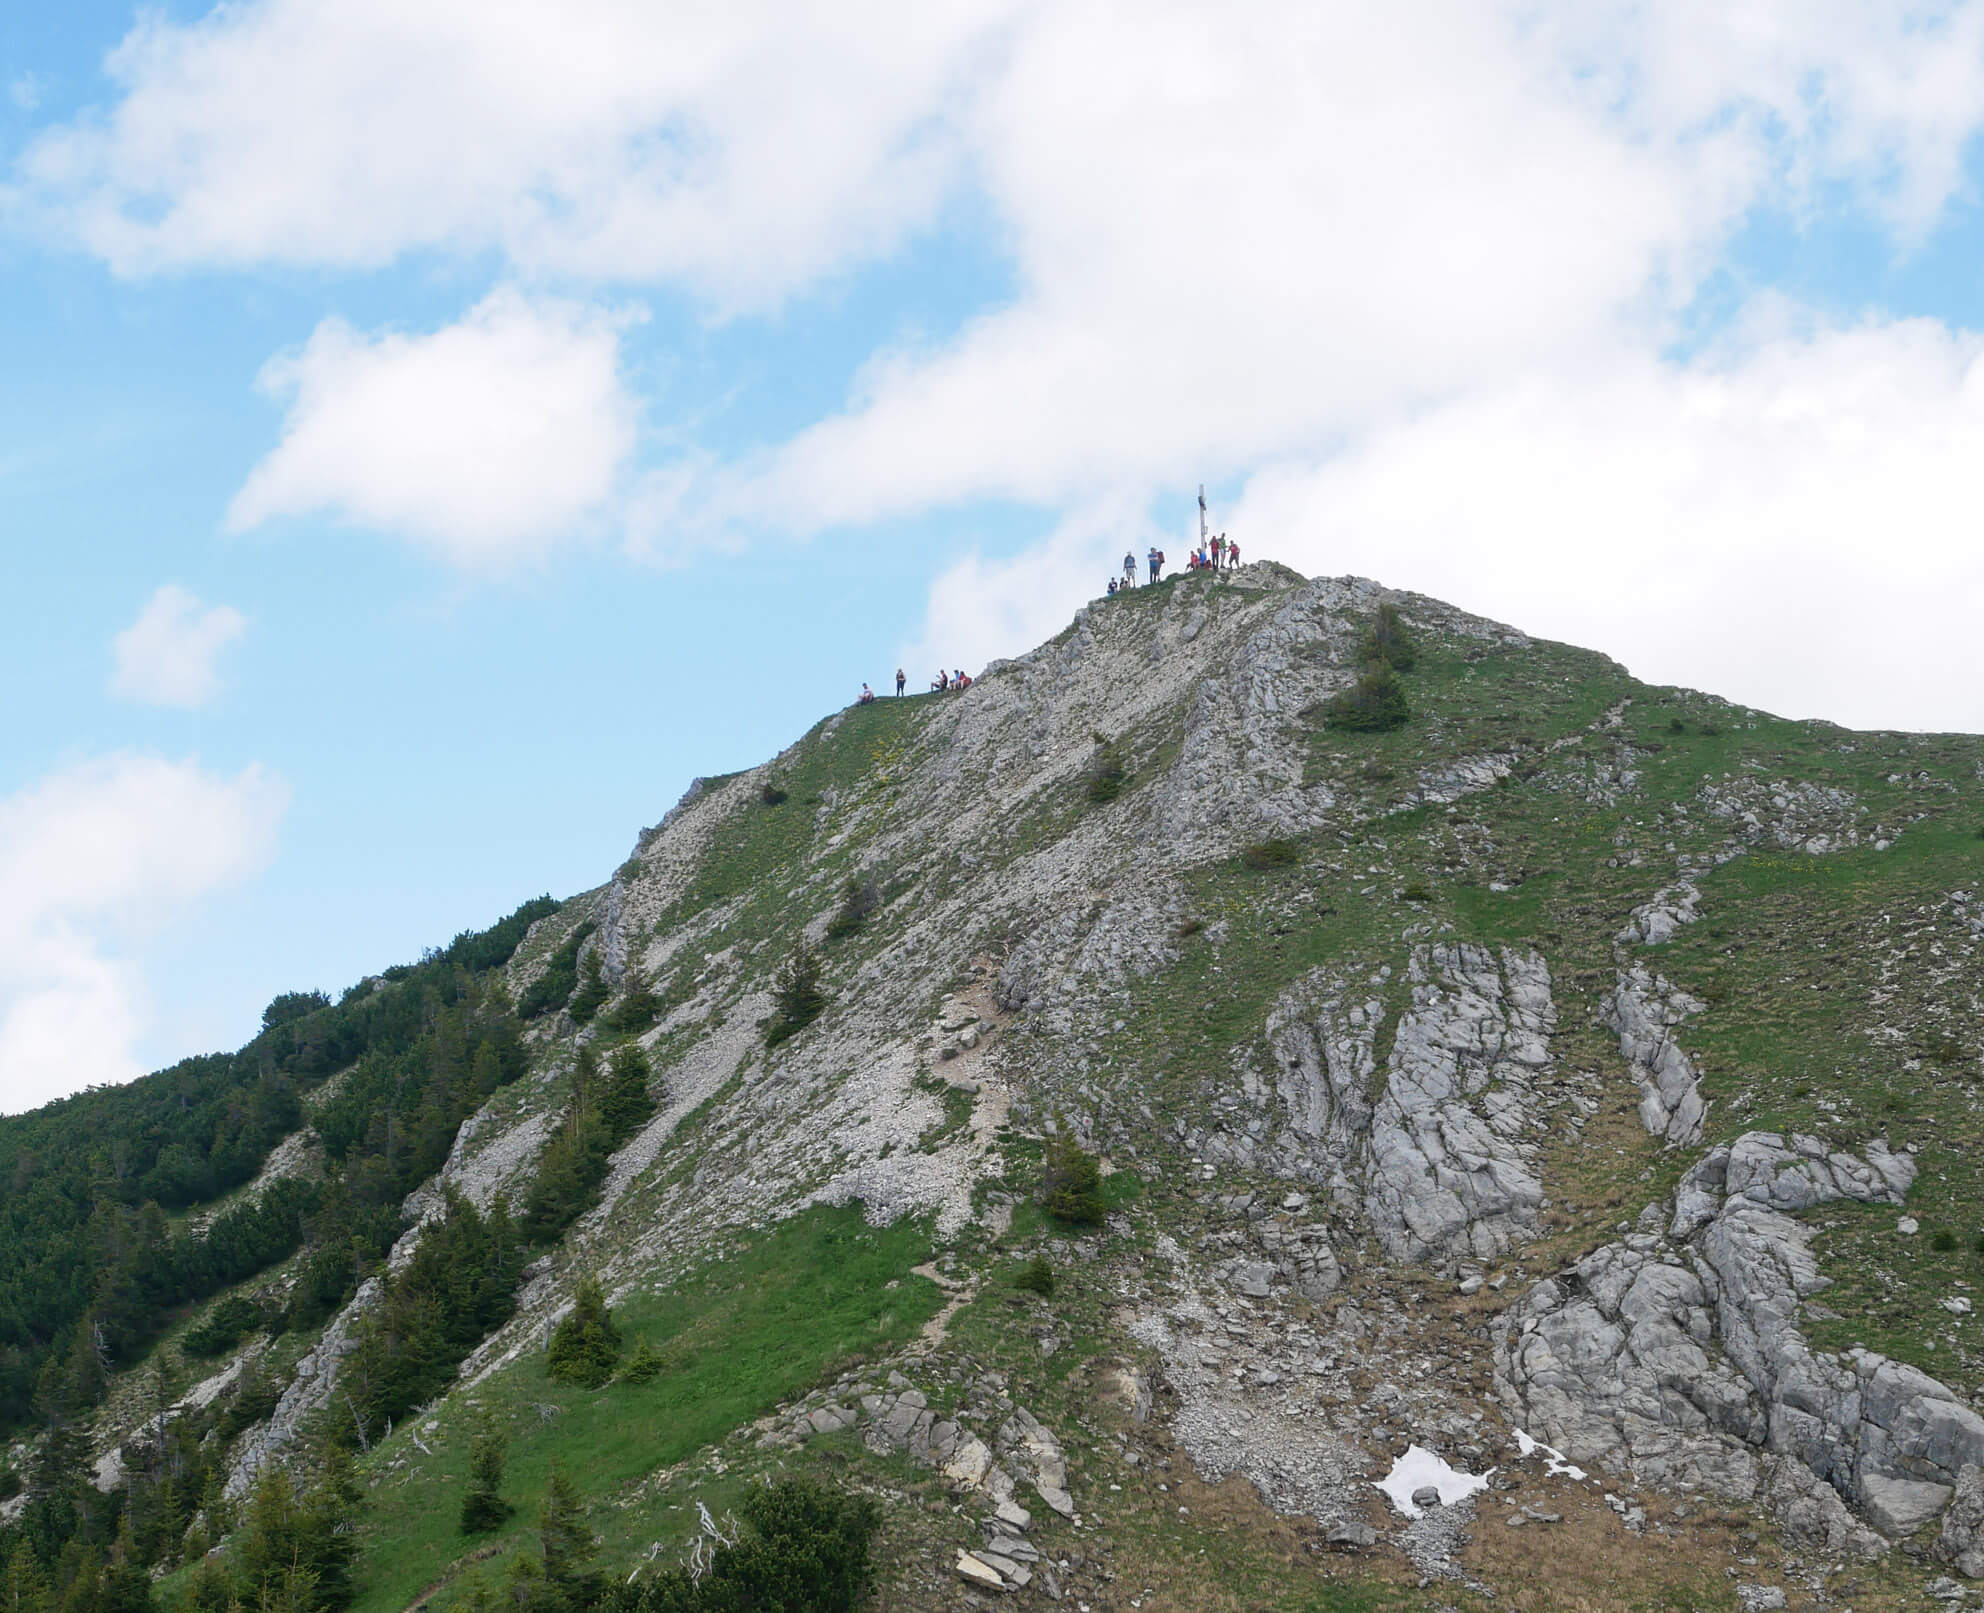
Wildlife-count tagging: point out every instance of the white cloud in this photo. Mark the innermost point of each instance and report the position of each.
(1791, 523)
(746, 148)
(1244, 235)
(491, 441)
(982, 609)
(167, 656)
(94, 859)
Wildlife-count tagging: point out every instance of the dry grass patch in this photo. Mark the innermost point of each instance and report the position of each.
(1592, 1563)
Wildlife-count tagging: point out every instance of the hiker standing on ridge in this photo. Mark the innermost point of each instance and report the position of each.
(1152, 558)
(1232, 555)
(899, 682)
(1129, 569)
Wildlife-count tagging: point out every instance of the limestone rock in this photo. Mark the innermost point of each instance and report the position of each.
(1901, 1506)
(1682, 1362)
(1058, 1500)
(1643, 1009)
(983, 1575)
(1438, 1161)
(1961, 1543)
(1655, 920)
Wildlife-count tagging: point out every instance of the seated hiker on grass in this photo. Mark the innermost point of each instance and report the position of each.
(867, 696)
(941, 682)
(1112, 587)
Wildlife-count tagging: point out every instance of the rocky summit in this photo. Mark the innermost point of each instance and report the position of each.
(1277, 1037)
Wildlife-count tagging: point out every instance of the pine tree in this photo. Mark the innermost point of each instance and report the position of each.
(23, 1586)
(1074, 1184)
(567, 1545)
(592, 989)
(483, 1506)
(586, 1344)
(645, 1365)
(799, 1000)
(625, 1105)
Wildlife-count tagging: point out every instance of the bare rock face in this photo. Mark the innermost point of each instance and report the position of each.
(1643, 1009)
(311, 1388)
(1449, 1174)
(1680, 1358)
(1961, 1543)
(1439, 1162)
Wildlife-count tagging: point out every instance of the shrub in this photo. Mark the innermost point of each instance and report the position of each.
(635, 1011)
(798, 1000)
(1072, 1190)
(1386, 642)
(552, 989)
(592, 993)
(225, 1326)
(859, 898)
(1711, 730)
(1417, 892)
(772, 795)
(255, 1397)
(807, 1552)
(1375, 703)
(292, 1005)
(1036, 1276)
(483, 1506)
(1106, 773)
(645, 1365)
(1944, 1243)
(1265, 854)
(585, 1346)
(1188, 928)
(1676, 726)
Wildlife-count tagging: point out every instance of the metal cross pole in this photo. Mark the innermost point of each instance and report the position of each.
(1202, 515)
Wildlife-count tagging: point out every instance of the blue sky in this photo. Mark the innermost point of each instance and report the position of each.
(429, 438)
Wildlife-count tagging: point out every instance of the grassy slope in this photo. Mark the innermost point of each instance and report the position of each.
(739, 1335)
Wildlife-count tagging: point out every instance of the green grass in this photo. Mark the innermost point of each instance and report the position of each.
(760, 843)
(739, 1335)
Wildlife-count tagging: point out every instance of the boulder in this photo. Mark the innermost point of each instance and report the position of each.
(1058, 1499)
(983, 1575)
(1901, 1506)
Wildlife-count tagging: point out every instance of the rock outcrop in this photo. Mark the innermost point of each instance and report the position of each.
(1643, 1009)
(1676, 1353)
(1437, 1158)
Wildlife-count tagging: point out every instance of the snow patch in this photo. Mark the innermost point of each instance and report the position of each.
(1418, 1468)
(1554, 1462)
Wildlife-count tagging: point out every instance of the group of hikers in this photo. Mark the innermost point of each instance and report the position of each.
(1217, 553)
(943, 683)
